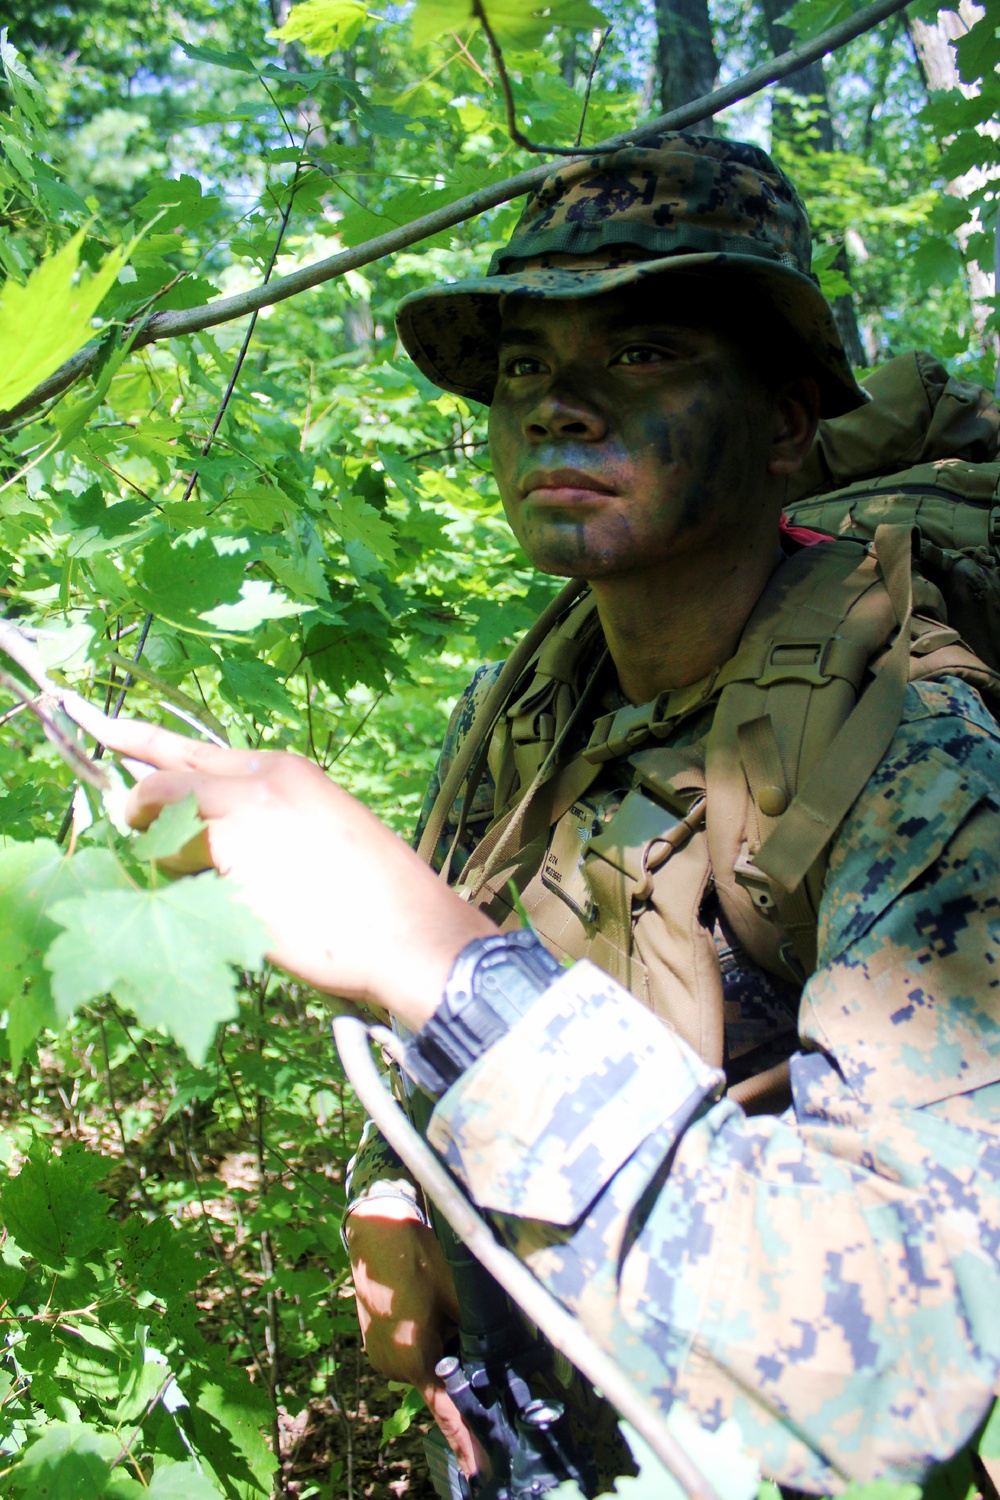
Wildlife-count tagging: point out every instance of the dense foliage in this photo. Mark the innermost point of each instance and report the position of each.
(276, 531)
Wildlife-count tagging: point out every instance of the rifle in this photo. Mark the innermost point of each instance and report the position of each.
(527, 1440)
(479, 1376)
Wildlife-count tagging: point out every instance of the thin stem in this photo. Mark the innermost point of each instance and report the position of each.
(129, 677)
(513, 129)
(126, 1449)
(81, 765)
(112, 1099)
(206, 1218)
(590, 81)
(354, 734)
(192, 320)
(272, 1327)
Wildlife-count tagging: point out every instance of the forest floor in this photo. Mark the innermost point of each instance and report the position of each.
(328, 1433)
(200, 1164)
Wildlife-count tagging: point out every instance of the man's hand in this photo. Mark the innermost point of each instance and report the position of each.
(350, 907)
(407, 1308)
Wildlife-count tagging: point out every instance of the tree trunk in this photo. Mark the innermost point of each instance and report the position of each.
(809, 83)
(686, 64)
(568, 60)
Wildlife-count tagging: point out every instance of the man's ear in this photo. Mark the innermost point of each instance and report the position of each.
(796, 409)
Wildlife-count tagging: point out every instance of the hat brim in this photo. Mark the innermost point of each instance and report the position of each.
(450, 330)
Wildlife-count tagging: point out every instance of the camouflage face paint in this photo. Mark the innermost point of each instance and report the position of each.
(624, 435)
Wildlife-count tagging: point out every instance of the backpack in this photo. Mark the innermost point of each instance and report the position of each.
(803, 714)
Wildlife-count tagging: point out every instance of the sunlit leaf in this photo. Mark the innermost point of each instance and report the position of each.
(50, 317)
(322, 26)
(167, 954)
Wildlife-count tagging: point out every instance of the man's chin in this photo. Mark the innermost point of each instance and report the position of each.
(578, 565)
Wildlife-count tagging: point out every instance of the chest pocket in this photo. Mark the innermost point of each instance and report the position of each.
(623, 883)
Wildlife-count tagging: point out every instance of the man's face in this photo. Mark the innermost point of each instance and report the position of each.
(626, 430)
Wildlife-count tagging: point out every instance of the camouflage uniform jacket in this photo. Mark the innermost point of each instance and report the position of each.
(829, 1278)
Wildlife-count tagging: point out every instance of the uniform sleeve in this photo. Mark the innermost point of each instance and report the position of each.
(829, 1278)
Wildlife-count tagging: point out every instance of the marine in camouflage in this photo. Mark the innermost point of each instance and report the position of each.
(829, 1278)
(682, 204)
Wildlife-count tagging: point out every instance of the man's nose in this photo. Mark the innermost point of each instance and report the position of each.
(566, 412)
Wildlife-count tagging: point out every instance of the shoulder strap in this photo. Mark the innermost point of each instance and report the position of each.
(788, 756)
(493, 706)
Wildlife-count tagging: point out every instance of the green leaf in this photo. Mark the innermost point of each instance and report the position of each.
(176, 826)
(52, 1208)
(978, 51)
(45, 321)
(810, 17)
(834, 284)
(190, 576)
(322, 26)
(226, 1423)
(357, 521)
(70, 1461)
(258, 602)
(33, 878)
(175, 204)
(522, 24)
(264, 506)
(936, 262)
(13, 66)
(402, 1418)
(238, 62)
(164, 953)
(181, 1482)
(254, 687)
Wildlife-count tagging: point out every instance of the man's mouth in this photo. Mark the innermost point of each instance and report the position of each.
(563, 487)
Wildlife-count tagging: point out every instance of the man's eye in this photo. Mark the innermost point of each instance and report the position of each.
(641, 354)
(521, 364)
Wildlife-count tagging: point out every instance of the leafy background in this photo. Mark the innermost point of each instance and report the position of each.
(301, 536)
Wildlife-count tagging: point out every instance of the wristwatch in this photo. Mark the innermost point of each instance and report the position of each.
(493, 982)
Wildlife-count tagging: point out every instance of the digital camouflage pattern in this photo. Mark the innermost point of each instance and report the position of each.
(830, 1277)
(682, 203)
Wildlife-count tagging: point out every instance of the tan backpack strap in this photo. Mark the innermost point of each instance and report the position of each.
(508, 834)
(493, 706)
(842, 771)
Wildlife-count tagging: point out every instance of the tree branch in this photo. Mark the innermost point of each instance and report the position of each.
(595, 59)
(165, 325)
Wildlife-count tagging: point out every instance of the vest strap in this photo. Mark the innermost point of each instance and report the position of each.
(842, 771)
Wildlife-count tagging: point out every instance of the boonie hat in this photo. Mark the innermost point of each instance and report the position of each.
(681, 203)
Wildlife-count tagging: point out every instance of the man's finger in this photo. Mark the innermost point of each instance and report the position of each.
(215, 795)
(459, 1438)
(162, 748)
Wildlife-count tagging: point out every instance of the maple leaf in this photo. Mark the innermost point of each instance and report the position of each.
(165, 953)
(357, 521)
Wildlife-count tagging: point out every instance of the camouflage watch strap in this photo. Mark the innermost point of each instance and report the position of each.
(493, 982)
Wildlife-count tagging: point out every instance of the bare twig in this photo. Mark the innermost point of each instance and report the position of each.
(45, 706)
(272, 1323)
(516, 134)
(601, 44)
(513, 129)
(152, 1404)
(358, 728)
(175, 324)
